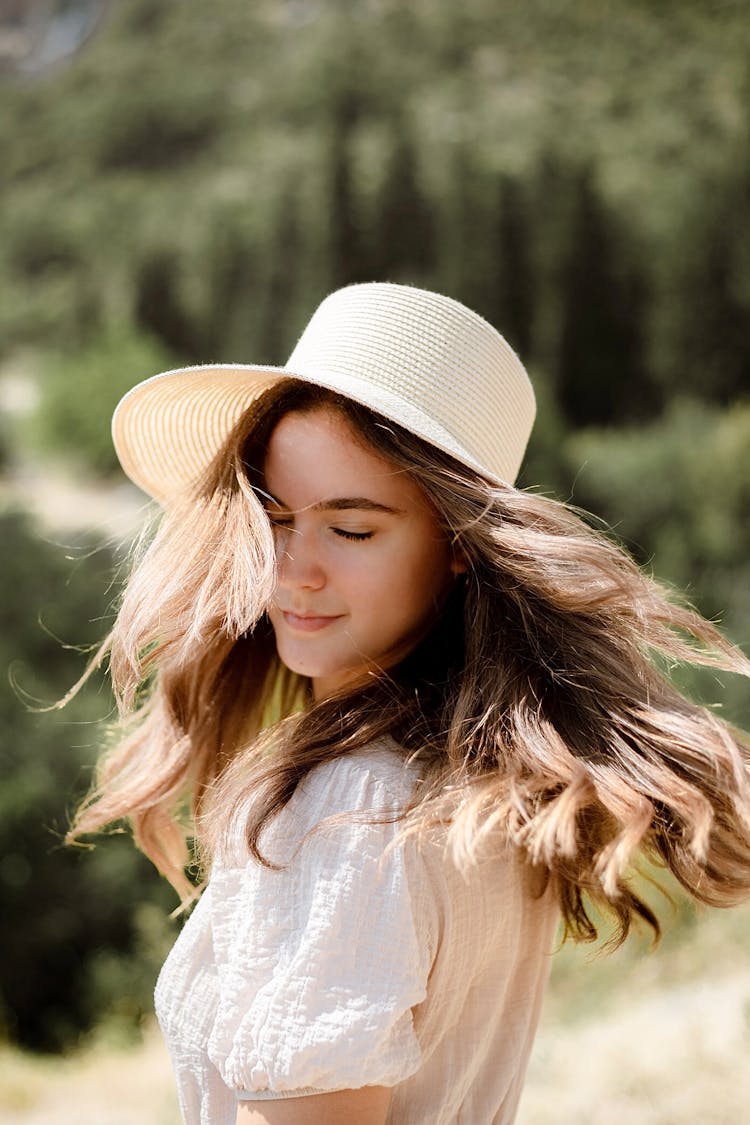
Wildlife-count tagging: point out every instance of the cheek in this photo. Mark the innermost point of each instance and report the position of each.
(418, 580)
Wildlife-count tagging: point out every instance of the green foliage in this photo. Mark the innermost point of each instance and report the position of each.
(602, 375)
(80, 391)
(678, 493)
(709, 351)
(78, 943)
(404, 223)
(512, 275)
(154, 194)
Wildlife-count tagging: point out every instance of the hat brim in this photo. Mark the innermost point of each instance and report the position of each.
(167, 429)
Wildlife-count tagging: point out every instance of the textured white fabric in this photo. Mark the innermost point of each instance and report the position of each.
(357, 964)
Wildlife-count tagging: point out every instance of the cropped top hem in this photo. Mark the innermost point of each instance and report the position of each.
(272, 1095)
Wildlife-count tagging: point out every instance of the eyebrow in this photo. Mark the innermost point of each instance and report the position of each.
(343, 504)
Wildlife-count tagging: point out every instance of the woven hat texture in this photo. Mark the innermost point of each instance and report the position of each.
(420, 359)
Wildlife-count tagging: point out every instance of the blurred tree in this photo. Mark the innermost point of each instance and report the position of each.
(710, 356)
(466, 254)
(79, 392)
(231, 285)
(550, 210)
(159, 310)
(155, 128)
(677, 492)
(602, 373)
(48, 288)
(546, 466)
(404, 229)
(64, 910)
(347, 243)
(510, 283)
(274, 342)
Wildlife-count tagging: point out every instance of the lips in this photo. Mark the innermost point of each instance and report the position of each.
(307, 622)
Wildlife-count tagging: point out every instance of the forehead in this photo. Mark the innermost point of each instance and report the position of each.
(317, 455)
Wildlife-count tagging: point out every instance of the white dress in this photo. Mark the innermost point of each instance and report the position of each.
(357, 964)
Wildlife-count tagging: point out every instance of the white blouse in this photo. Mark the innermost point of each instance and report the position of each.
(357, 964)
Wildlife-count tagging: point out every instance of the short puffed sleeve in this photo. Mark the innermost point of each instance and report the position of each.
(321, 962)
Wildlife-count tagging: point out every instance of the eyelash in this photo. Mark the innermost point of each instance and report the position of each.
(357, 536)
(354, 536)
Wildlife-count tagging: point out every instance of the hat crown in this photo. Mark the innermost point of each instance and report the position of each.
(430, 358)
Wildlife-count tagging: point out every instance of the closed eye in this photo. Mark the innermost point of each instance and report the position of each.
(357, 536)
(286, 523)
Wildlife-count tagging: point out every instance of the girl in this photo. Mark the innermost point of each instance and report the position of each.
(417, 713)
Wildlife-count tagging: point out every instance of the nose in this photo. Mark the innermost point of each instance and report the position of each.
(299, 567)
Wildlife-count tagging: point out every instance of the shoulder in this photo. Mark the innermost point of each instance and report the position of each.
(378, 777)
(343, 801)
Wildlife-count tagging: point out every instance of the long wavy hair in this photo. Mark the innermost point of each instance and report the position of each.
(539, 709)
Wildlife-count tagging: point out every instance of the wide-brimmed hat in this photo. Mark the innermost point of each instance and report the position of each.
(418, 358)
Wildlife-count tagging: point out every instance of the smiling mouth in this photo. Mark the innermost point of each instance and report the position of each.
(307, 623)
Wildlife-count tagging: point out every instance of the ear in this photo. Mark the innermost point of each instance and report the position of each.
(458, 565)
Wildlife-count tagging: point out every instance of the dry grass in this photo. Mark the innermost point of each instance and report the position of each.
(100, 1086)
(674, 1058)
(645, 1038)
(635, 1039)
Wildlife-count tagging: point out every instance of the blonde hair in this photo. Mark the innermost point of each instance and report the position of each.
(538, 704)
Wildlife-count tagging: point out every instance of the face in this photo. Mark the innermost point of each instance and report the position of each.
(364, 564)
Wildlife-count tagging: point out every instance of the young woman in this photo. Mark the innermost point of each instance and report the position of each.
(411, 715)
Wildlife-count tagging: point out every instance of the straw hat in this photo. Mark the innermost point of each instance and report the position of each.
(416, 357)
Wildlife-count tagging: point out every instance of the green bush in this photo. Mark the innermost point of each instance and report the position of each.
(77, 945)
(678, 493)
(78, 393)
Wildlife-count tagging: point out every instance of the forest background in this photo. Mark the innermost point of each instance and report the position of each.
(187, 186)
